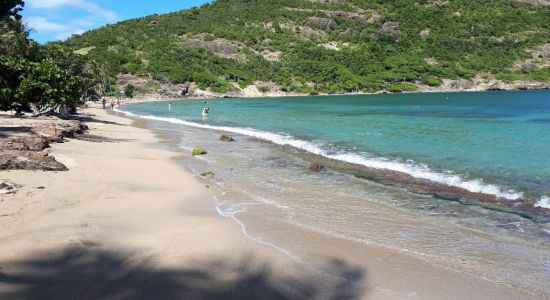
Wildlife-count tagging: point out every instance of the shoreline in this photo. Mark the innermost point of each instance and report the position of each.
(129, 197)
(346, 247)
(148, 98)
(439, 188)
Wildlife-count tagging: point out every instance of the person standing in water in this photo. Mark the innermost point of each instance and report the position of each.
(170, 105)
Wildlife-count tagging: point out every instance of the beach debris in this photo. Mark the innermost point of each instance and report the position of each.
(207, 173)
(198, 151)
(7, 187)
(316, 167)
(226, 138)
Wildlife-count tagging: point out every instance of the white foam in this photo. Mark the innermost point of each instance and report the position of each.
(232, 214)
(411, 168)
(544, 202)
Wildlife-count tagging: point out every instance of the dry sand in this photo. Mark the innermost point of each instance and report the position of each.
(128, 221)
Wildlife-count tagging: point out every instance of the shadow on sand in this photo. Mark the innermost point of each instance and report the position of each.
(85, 273)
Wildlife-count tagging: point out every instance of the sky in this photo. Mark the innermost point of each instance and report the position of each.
(53, 20)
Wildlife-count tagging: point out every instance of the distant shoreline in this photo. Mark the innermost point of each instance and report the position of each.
(163, 98)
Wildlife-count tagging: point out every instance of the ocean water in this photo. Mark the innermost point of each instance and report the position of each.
(391, 161)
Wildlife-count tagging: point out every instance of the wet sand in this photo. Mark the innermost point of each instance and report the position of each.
(128, 221)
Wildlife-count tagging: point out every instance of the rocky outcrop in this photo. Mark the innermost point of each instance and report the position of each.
(23, 141)
(462, 84)
(220, 47)
(391, 28)
(322, 22)
(311, 33)
(29, 160)
(352, 16)
(482, 83)
(7, 187)
(540, 59)
(536, 2)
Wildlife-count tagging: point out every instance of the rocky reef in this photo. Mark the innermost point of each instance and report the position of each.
(24, 140)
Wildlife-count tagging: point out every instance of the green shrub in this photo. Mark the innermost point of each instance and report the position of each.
(129, 90)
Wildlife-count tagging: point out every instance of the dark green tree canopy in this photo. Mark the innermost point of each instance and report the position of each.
(11, 9)
(44, 75)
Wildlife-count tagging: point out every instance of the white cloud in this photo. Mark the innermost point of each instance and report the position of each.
(84, 5)
(59, 19)
(41, 24)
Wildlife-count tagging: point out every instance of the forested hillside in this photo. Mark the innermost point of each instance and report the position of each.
(328, 46)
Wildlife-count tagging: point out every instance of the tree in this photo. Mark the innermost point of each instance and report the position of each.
(10, 9)
(129, 91)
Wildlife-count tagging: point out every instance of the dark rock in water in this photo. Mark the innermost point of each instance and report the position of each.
(198, 151)
(226, 138)
(207, 173)
(316, 167)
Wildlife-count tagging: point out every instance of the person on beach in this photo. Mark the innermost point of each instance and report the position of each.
(112, 104)
(118, 104)
(104, 102)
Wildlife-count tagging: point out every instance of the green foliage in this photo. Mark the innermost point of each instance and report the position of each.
(46, 76)
(129, 91)
(264, 89)
(486, 37)
(11, 9)
(400, 87)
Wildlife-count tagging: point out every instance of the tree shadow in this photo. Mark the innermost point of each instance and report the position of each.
(88, 118)
(85, 273)
(94, 138)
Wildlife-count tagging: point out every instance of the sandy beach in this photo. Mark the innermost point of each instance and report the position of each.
(128, 220)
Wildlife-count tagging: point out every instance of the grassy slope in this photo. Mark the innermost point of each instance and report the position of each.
(466, 38)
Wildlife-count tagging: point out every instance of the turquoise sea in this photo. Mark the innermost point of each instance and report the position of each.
(403, 171)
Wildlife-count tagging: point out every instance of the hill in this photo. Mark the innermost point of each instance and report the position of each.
(328, 46)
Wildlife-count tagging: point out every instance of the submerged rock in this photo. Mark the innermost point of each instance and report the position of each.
(226, 138)
(198, 151)
(207, 173)
(316, 167)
